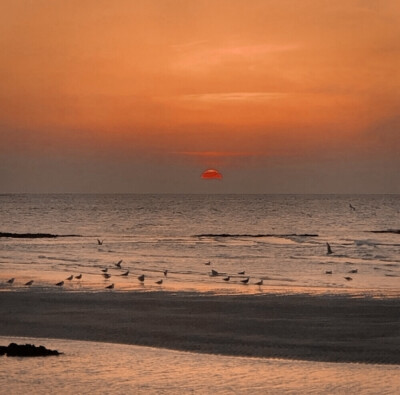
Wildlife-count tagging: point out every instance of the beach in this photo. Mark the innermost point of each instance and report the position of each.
(329, 328)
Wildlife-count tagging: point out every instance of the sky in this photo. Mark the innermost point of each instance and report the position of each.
(142, 96)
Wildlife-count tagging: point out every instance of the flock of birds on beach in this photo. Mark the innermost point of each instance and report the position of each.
(141, 278)
(243, 279)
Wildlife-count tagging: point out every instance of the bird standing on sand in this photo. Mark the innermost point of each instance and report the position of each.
(245, 281)
(70, 277)
(352, 207)
(125, 274)
(60, 284)
(242, 273)
(328, 272)
(11, 281)
(329, 249)
(214, 272)
(353, 271)
(348, 278)
(111, 286)
(207, 263)
(106, 275)
(141, 278)
(227, 278)
(29, 282)
(259, 282)
(165, 273)
(79, 276)
(159, 282)
(105, 270)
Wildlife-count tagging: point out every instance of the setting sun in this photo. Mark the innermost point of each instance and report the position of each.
(211, 174)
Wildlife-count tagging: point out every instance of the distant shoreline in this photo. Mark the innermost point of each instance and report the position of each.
(318, 328)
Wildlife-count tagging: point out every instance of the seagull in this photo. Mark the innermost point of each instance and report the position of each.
(159, 282)
(118, 264)
(329, 249)
(141, 278)
(328, 272)
(106, 275)
(105, 270)
(207, 263)
(125, 274)
(352, 207)
(99, 242)
(60, 284)
(165, 273)
(111, 286)
(11, 280)
(214, 272)
(353, 271)
(226, 278)
(245, 281)
(79, 276)
(29, 282)
(259, 282)
(70, 277)
(348, 278)
(242, 273)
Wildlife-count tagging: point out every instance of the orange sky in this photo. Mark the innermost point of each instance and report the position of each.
(277, 90)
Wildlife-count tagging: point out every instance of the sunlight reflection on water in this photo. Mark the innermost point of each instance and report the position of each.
(103, 368)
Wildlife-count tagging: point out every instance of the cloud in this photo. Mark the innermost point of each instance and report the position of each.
(233, 96)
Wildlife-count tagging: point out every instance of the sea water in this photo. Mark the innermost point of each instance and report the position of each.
(280, 239)
(101, 368)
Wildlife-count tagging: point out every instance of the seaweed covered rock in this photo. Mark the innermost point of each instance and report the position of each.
(26, 350)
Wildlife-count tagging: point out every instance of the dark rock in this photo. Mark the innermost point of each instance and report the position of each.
(33, 235)
(26, 350)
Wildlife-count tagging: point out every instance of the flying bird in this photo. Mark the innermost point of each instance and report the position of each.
(245, 281)
(159, 282)
(118, 264)
(352, 207)
(60, 284)
(214, 272)
(111, 286)
(125, 274)
(11, 280)
(29, 282)
(99, 242)
(141, 278)
(329, 249)
(70, 277)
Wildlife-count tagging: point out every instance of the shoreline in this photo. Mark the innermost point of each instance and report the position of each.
(301, 327)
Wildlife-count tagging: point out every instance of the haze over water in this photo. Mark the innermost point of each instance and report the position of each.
(280, 239)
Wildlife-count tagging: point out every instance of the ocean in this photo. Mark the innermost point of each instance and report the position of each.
(201, 240)
(101, 368)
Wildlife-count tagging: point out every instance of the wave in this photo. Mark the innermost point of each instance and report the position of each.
(256, 235)
(33, 235)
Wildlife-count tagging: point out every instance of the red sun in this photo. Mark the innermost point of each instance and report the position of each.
(211, 174)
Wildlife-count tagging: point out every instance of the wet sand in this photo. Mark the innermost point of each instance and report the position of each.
(319, 328)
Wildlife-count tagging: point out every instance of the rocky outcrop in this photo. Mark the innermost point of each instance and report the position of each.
(26, 350)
